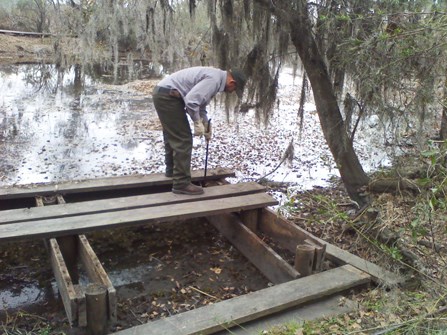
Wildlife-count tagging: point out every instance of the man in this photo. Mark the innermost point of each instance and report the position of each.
(189, 91)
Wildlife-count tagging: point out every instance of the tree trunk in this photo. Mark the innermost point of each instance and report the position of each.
(443, 130)
(331, 120)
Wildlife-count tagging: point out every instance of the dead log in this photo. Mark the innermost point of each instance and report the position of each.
(24, 33)
(393, 186)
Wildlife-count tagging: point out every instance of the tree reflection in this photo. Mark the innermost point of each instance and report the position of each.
(41, 77)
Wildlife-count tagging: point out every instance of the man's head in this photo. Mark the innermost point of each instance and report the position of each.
(235, 82)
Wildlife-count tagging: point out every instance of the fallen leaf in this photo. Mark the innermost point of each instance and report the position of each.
(216, 270)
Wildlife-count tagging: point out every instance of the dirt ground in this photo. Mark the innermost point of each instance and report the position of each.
(22, 49)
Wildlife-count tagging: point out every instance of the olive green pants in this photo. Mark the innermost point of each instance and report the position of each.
(177, 137)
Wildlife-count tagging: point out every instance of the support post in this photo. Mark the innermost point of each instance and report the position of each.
(320, 251)
(96, 302)
(250, 219)
(304, 259)
(67, 244)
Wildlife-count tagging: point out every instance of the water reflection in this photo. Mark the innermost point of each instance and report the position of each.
(59, 125)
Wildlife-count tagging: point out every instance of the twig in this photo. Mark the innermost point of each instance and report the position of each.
(204, 293)
(136, 317)
(288, 154)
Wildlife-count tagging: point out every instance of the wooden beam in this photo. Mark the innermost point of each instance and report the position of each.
(97, 274)
(235, 312)
(126, 218)
(71, 297)
(282, 230)
(63, 258)
(104, 184)
(25, 33)
(271, 265)
(288, 234)
(251, 218)
(131, 202)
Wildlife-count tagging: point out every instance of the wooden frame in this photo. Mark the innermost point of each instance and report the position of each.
(237, 211)
(233, 312)
(64, 254)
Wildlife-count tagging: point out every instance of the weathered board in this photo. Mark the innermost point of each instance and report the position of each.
(97, 274)
(130, 202)
(90, 222)
(71, 298)
(234, 312)
(68, 250)
(103, 184)
(24, 33)
(268, 262)
(288, 233)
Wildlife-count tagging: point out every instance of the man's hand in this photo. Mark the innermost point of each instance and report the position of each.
(208, 129)
(199, 129)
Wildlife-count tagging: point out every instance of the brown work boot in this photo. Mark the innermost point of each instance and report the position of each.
(190, 189)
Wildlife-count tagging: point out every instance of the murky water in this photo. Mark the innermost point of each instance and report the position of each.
(53, 127)
(57, 126)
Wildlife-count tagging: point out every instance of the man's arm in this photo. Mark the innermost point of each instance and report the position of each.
(199, 97)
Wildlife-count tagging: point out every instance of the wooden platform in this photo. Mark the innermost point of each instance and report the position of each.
(105, 184)
(80, 218)
(238, 211)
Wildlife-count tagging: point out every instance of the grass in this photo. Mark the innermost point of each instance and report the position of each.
(417, 250)
(24, 323)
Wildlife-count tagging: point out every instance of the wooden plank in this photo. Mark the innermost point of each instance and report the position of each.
(103, 184)
(271, 265)
(96, 273)
(25, 33)
(282, 231)
(288, 234)
(132, 202)
(237, 311)
(125, 218)
(69, 295)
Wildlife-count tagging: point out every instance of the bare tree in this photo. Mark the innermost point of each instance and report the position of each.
(332, 123)
(273, 25)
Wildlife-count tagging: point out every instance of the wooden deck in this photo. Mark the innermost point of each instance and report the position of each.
(82, 218)
(104, 184)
